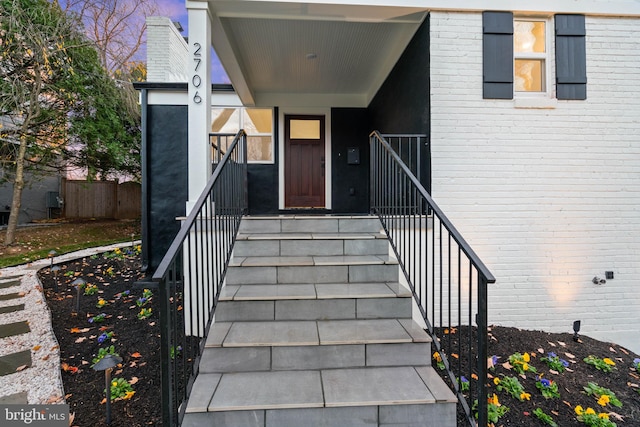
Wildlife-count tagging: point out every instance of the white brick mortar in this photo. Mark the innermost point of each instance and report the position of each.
(167, 51)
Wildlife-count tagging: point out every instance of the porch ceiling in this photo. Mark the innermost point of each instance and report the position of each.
(310, 54)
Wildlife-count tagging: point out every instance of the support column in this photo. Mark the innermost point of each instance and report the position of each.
(199, 73)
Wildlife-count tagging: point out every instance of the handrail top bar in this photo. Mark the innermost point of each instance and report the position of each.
(401, 135)
(466, 248)
(223, 133)
(162, 269)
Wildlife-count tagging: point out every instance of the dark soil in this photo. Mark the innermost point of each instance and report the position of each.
(137, 342)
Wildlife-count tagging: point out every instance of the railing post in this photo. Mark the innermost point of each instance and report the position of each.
(165, 343)
(481, 321)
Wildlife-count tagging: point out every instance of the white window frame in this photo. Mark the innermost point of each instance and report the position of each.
(241, 109)
(547, 57)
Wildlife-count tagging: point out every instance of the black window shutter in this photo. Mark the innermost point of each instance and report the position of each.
(497, 55)
(571, 57)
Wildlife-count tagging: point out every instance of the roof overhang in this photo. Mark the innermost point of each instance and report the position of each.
(310, 54)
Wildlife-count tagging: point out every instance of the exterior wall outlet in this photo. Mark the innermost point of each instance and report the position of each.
(608, 275)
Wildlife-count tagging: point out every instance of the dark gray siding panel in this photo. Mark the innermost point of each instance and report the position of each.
(166, 174)
(263, 189)
(402, 105)
(571, 57)
(497, 55)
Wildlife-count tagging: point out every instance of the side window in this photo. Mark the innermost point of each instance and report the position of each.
(257, 122)
(530, 53)
(517, 60)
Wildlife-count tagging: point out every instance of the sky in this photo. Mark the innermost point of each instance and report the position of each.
(176, 11)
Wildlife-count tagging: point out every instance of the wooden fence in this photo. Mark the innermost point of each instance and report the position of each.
(101, 199)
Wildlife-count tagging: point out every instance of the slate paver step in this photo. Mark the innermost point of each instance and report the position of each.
(11, 308)
(14, 399)
(16, 328)
(11, 362)
(7, 297)
(9, 284)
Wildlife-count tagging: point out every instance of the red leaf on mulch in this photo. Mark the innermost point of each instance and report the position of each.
(136, 355)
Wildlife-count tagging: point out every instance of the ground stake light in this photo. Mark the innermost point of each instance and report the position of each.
(107, 364)
(51, 255)
(79, 284)
(55, 270)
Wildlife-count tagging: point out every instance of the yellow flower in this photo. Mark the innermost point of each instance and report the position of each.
(603, 415)
(525, 357)
(496, 380)
(128, 395)
(493, 400)
(590, 411)
(604, 400)
(436, 356)
(579, 410)
(113, 384)
(525, 366)
(524, 396)
(609, 361)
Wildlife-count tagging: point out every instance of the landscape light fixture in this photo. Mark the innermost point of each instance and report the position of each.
(79, 284)
(55, 270)
(107, 364)
(576, 329)
(51, 255)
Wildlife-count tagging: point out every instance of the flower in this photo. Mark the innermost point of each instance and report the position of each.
(579, 410)
(590, 411)
(545, 382)
(128, 395)
(113, 384)
(603, 415)
(604, 400)
(493, 400)
(609, 361)
(525, 366)
(496, 380)
(525, 357)
(524, 396)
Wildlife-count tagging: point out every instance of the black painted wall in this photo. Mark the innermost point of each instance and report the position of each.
(350, 182)
(402, 105)
(166, 179)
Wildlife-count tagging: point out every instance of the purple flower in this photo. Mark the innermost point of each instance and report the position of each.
(102, 338)
(494, 359)
(636, 361)
(545, 382)
(564, 363)
(552, 355)
(464, 379)
(91, 320)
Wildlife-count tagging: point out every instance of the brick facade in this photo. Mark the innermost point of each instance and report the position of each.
(548, 197)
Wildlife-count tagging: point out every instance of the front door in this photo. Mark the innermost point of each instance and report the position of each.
(304, 161)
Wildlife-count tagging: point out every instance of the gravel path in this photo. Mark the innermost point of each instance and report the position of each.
(41, 382)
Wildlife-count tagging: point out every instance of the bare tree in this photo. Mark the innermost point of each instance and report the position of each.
(116, 26)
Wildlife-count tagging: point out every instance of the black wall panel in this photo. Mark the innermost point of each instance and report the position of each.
(350, 182)
(166, 175)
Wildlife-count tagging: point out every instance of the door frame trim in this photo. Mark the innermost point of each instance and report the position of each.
(293, 111)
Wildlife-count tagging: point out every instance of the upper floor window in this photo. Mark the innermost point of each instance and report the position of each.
(530, 53)
(517, 56)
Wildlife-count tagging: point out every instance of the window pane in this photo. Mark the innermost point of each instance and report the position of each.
(529, 75)
(225, 120)
(259, 148)
(528, 36)
(304, 129)
(257, 120)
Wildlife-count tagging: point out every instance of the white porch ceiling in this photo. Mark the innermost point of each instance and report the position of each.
(310, 54)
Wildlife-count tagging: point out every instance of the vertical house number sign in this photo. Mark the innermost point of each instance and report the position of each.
(196, 80)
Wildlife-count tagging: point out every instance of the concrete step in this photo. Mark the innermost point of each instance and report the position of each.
(300, 345)
(312, 269)
(311, 244)
(372, 396)
(313, 302)
(309, 224)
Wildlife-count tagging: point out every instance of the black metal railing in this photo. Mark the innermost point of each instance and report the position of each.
(415, 152)
(220, 143)
(447, 278)
(191, 274)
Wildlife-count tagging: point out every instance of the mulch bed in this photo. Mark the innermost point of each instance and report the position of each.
(137, 342)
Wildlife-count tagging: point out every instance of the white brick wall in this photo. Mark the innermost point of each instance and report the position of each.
(167, 52)
(549, 198)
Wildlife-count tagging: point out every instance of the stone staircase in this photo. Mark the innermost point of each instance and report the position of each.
(313, 329)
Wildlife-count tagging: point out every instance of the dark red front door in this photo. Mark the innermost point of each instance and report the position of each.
(304, 162)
